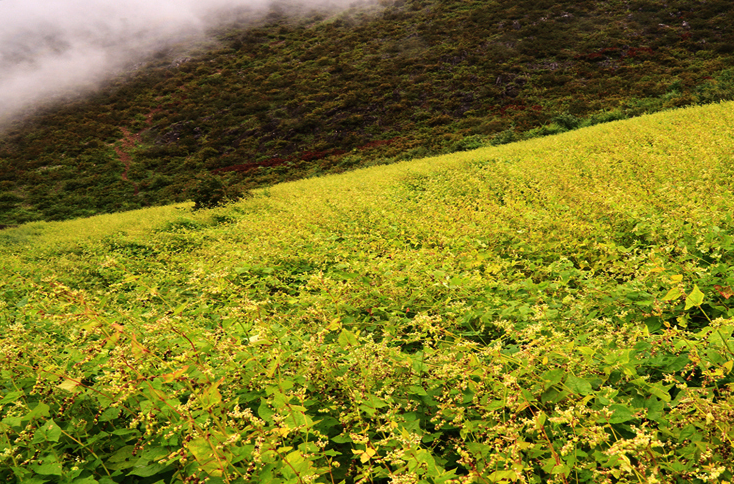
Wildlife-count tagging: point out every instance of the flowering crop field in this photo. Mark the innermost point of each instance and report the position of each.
(553, 311)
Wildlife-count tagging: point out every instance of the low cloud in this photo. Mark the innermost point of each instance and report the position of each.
(50, 48)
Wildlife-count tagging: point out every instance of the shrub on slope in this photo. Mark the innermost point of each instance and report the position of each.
(557, 310)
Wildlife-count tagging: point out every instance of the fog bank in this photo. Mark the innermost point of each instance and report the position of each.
(49, 48)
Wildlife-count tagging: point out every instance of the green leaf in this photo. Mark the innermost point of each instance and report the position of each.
(673, 294)
(690, 432)
(41, 410)
(11, 397)
(540, 420)
(552, 377)
(578, 385)
(494, 405)
(13, 421)
(264, 411)
(298, 418)
(122, 459)
(49, 432)
(552, 395)
(180, 309)
(416, 390)
(347, 338)
(207, 455)
(123, 454)
(368, 410)
(211, 396)
(621, 414)
(109, 414)
(695, 298)
(375, 401)
(85, 480)
(661, 393)
(147, 471)
(48, 469)
(68, 385)
(341, 439)
(424, 457)
(155, 453)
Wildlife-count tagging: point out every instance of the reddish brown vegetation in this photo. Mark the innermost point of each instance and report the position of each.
(128, 141)
(305, 156)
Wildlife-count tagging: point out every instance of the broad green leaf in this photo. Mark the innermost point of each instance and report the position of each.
(211, 396)
(85, 480)
(147, 471)
(109, 414)
(11, 397)
(173, 376)
(416, 390)
(548, 464)
(673, 294)
(578, 385)
(13, 421)
(49, 432)
(690, 432)
(661, 393)
(124, 454)
(552, 377)
(561, 469)
(48, 469)
(347, 338)
(33, 480)
(621, 414)
(295, 458)
(368, 410)
(695, 298)
(375, 401)
(41, 410)
(68, 385)
(202, 449)
(180, 309)
(425, 457)
(552, 395)
(298, 418)
(540, 420)
(265, 412)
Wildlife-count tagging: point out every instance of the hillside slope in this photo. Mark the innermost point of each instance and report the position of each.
(299, 96)
(556, 310)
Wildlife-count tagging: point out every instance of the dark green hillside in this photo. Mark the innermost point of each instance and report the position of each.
(301, 96)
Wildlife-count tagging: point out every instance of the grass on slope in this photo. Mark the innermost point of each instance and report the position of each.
(556, 310)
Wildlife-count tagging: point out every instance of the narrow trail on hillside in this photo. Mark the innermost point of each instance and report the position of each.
(128, 142)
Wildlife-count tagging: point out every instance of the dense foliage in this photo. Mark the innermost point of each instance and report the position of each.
(553, 311)
(297, 96)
